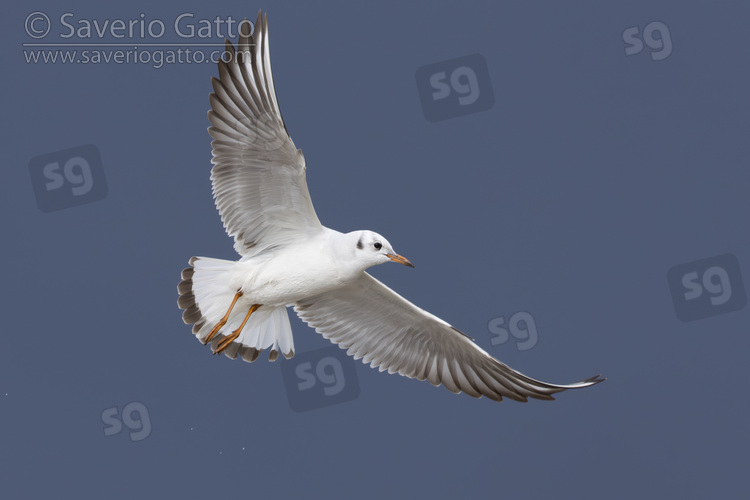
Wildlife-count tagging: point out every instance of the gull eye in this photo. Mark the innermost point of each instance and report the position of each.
(377, 245)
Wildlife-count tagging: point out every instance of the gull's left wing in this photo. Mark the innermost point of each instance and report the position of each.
(375, 323)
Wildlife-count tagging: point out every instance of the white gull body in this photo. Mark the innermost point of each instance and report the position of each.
(319, 264)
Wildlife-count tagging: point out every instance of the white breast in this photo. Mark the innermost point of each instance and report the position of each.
(296, 272)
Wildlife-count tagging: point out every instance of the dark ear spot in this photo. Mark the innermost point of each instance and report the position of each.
(359, 244)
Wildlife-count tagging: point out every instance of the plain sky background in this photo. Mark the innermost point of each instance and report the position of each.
(592, 175)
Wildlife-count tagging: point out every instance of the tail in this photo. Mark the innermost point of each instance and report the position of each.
(206, 292)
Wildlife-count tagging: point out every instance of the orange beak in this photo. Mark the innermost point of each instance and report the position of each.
(399, 259)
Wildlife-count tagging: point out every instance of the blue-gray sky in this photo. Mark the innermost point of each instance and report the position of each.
(614, 149)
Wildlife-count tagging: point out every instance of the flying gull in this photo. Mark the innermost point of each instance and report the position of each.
(290, 258)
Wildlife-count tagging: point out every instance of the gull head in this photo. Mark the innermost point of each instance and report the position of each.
(371, 249)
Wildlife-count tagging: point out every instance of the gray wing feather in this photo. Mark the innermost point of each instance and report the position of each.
(390, 333)
(258, 175)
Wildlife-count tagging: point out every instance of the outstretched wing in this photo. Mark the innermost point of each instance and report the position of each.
(258, 175)
(375, 323)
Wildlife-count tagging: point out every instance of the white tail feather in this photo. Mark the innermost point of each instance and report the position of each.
(209, 288)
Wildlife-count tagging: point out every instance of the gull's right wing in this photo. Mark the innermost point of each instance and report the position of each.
(258, 175)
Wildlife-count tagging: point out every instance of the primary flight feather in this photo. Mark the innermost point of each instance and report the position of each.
(289, 257)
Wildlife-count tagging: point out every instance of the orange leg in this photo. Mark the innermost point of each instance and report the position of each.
(224, 343)
(223, 320)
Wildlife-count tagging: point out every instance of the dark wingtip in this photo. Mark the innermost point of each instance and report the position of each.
(245, 29)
